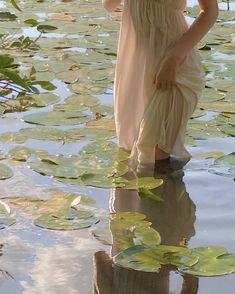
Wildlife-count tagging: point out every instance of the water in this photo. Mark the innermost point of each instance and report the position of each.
(198, 206)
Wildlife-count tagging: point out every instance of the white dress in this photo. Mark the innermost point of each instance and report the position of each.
(144, 116)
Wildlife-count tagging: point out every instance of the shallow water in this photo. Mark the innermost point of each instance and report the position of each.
(36, 260)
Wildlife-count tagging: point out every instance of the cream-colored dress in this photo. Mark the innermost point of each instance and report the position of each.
(144, 116)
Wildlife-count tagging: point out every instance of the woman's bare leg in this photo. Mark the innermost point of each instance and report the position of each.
(160, 154)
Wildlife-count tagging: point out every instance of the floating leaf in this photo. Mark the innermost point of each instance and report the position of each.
(52, 222)
(206, 155)
(22, 153)
(103, 234)
(127, 229)
(213, 261)
(62, 212)
(150, 259)
(144, 182)
(5, 172)
(145, 193)
(219, 106)
(224, 165)
(103, 150)
(55, 118)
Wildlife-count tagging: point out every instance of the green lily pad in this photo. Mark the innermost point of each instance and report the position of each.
(219, 106)
(206, 155)
(104, 124)
(104, 150)
(103, 234)
(63, 212)
(213, 261)
(109, 181)
(22, 153)
(101, 181)
(97, 134)
(203, 130)
(198, 113)
(52, 222)
(44, 99)
(78, 103)
(145, 193)
(224, 165)
(150, 259)
(89, 170)
(144, 182)
(103, 110)
(126, 229)
(5, 172)
(56, 118)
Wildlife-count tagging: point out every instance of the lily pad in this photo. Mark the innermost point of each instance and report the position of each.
(103, 150)
(150, 259)
(144, 182)
(126, 229)
(89, 170)
(5, 172)
(53, 222)
(56, 118)
(63, 212)
(224, 165)
(213, 261)
(78, 103)
(22, 153)
(219, 106)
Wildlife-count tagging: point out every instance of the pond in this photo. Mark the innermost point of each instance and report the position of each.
(58, 157)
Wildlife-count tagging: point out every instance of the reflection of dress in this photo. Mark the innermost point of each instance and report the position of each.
(146, 117)
(174, 219)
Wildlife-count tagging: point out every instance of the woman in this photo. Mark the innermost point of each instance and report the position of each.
(159, 76)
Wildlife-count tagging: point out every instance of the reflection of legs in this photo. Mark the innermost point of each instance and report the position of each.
(103, 273)
(190, 285)
(112, 279)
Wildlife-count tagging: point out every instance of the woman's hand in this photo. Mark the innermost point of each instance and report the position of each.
(111, 5)
(165, 77)
(166, 74)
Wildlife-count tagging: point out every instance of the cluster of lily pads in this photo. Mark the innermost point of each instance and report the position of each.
(140, 249)
(63, 211)
(76, 46)
(138, 244)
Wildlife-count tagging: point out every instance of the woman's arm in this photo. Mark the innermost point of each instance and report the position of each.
(174, 57)
(111, 5)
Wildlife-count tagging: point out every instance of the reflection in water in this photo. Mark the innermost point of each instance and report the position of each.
(173, 219)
